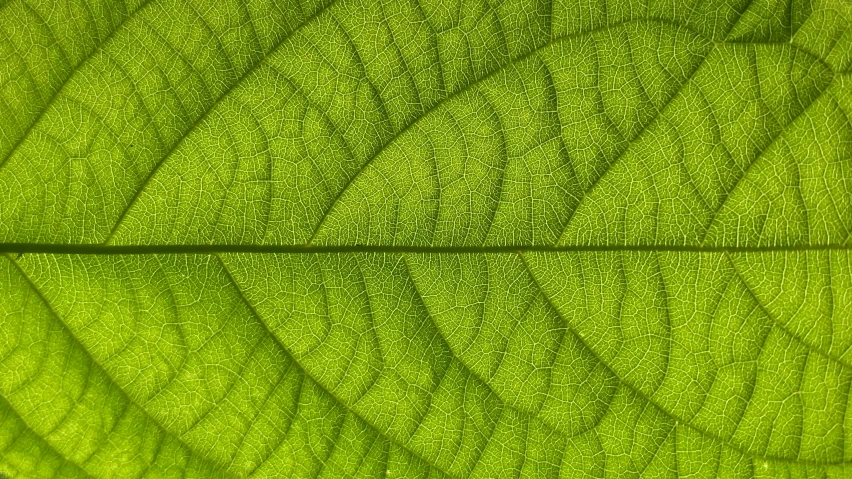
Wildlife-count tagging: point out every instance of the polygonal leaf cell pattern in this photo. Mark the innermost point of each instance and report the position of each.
(426, 238)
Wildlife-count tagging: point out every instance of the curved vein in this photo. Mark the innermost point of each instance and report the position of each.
(74, 70)
(307, 375)
(213, 465)
(12, 410)
(204, 115)
(783, 327)
(650, 401)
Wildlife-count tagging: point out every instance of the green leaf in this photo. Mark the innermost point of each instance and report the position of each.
(396, 238)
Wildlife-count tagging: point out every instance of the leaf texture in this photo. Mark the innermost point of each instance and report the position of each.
(400, 238)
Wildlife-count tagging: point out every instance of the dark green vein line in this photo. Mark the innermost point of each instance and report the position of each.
(494, 73)
(74, 69)
(17, 417)
(63, 325)
(208, 110)
(682, 421)
(307, 374)
(551, 42)
(43, 248)
(811, 345)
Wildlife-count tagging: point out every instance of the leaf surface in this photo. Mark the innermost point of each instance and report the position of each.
(425, 239)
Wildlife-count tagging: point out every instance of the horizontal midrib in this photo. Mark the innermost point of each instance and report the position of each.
(318, 249)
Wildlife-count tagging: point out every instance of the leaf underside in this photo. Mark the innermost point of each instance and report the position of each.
(422, 238)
